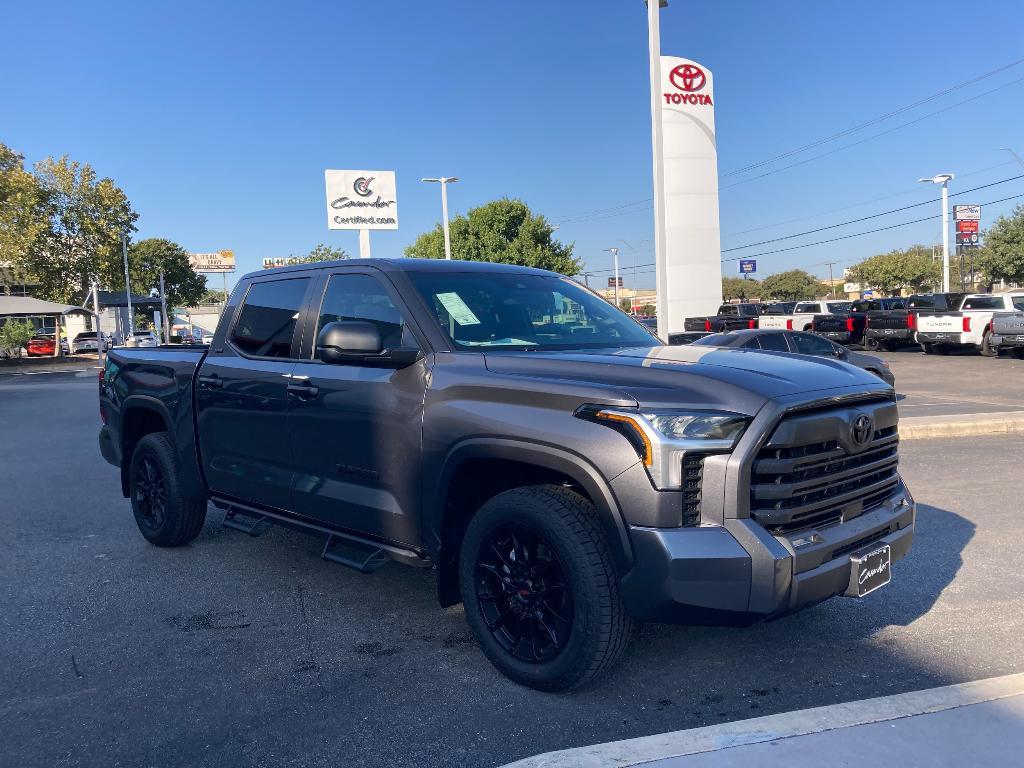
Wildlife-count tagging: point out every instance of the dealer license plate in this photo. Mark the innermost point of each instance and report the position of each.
(869, 572)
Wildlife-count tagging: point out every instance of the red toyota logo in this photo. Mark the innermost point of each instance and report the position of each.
(688, 77)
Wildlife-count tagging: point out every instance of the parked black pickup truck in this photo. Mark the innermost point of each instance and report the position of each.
(730, 317)
(848, 327)
(893, 328)
(563, 472)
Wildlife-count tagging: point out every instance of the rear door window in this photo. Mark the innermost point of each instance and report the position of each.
(773, 342)
(268, 317)
(806, 344)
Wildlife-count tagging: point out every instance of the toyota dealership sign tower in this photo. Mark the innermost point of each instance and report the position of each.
(692, 242)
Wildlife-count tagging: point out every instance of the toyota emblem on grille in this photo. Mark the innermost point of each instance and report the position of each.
(863, 429)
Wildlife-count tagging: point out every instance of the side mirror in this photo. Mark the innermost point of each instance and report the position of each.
(359, 342)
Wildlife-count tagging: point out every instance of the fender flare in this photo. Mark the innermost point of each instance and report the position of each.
(542, 455)
(188, 460)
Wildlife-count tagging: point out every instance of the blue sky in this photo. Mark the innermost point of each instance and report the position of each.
(218, 119)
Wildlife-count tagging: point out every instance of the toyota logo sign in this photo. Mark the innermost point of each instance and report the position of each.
(688, 77)
(863, 429)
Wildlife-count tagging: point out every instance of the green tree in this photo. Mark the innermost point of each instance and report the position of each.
(321, 252)
(626, 305)
(147, 258)
(911, 268)
(14, 335)
(794, 285)
(1002, 258)
(740, 288)
(70, 224)
(22, 215)
(505, 231)
(648, 309)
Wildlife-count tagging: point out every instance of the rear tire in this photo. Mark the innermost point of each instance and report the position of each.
(987, 348)
(1017, 352)
(928, 349)
(890, 345)
(551, 618)
(163, 515)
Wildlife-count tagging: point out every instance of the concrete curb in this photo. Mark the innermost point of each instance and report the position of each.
(962, 425)
(631, 752)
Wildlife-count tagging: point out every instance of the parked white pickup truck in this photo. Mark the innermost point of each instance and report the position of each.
(971, 326)
(803, 315)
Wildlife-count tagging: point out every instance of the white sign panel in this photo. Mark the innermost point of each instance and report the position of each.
(967, 212)
(692, 239)
(361, 200)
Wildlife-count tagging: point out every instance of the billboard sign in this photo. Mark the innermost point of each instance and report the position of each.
(968, 212)
(967, 238)
(748, 266)
(967, 225)
(221, 261)
(361, 200)
(611, 282)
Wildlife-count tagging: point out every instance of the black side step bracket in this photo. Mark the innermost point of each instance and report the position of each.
(254, 525)
(365, 558)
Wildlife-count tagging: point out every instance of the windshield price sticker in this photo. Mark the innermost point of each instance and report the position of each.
(457, 308)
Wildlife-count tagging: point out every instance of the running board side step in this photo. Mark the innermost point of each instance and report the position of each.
(349, 549)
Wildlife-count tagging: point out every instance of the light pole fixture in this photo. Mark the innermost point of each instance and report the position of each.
(615, 253)
(444, 181)
(943, 179)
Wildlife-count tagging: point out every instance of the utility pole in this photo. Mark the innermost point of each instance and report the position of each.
(101, 347)
(163, 306)
(831, 281)
(1016, 157)
(127, 288)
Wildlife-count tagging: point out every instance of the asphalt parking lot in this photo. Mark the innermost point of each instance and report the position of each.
(254, 652)
(958, 383)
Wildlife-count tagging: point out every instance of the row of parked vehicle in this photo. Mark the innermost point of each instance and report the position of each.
(938, 322)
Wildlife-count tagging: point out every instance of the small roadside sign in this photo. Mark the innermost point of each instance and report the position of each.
(748, 266)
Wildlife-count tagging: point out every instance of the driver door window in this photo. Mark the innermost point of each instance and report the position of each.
(363, 297)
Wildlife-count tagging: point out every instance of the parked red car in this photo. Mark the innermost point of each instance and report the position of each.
(42, 346)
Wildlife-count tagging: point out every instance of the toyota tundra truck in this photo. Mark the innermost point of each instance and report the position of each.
(892, 328)
(802, 316)
(1008, 333)
(563, 473)
(971, 326)
(847, 326)
(730, 317)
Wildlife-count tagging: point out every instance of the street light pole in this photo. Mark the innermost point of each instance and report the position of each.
(127, 288)
(943, 179)
(444, 181)
(657, 158)
(615, 253)
(831, 281)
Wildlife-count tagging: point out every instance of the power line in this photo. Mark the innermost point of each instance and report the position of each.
(830, 240)
(875, 120)
(866, 218)
(869, 138)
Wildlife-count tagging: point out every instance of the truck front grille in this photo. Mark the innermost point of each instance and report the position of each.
(796, 484)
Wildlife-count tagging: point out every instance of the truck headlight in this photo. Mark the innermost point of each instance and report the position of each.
(662, 437)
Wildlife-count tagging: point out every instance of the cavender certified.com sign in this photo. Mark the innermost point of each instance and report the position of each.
(361, 200)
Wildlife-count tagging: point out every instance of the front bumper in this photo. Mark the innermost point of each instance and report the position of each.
(704, 575)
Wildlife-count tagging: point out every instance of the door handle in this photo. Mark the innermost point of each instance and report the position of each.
(303, 390)
(213, 381)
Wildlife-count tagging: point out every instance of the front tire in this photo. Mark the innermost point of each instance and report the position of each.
(163, 515)
(540, 589)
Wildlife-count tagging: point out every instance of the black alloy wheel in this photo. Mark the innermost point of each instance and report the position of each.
(524, 594)
(150, 490)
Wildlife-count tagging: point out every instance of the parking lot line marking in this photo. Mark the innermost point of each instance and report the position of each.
(631, 752)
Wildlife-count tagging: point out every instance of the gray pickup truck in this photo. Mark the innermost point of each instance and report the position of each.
(1008, 333)
(564, 473)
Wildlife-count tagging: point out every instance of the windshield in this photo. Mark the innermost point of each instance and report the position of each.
(521, 311)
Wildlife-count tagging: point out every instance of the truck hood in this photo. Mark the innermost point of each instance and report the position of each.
(691, 376)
